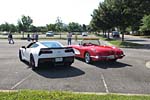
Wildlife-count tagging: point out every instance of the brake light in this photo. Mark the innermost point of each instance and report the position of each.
(45, 52)
(69, 50)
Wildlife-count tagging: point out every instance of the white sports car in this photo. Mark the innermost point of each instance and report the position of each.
(46, 52)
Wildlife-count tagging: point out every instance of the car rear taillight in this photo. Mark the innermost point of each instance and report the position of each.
(69, 50)
(45, 52)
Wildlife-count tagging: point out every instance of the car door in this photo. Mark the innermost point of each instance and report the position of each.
(27, 54)
(30, 48)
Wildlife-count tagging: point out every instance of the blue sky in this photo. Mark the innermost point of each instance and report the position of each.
(46, 11)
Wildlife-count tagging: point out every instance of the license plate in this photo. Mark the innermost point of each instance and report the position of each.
(58, 59)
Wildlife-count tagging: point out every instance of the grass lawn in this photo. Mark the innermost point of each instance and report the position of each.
(57, 95)
(145, 36)
(122, 44)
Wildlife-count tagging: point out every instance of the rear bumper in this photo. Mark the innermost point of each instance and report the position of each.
(53, 60)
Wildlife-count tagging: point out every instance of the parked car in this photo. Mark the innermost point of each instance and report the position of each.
(50, 33)
(115, 34)
(52, 52)
(84, 34)
(5, 33)
(91, 50)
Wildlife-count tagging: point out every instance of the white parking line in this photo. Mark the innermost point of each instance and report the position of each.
(106, 88)
(20, 82)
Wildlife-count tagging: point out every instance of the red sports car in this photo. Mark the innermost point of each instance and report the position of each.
(92, 50)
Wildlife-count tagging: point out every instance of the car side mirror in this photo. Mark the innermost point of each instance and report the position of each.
(23, 47)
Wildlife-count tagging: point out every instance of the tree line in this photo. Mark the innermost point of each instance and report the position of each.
(25, 25)
(123, 15)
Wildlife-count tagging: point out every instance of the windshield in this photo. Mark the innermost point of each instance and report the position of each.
(95, 42)
(51, 44)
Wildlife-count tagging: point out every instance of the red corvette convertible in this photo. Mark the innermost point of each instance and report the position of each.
(92, 50)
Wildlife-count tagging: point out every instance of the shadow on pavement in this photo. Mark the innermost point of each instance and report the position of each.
(59, 71)
(107, 64)
(49, 71)
(110, 64)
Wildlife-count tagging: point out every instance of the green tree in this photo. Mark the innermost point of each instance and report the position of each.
(13, 28)
(103, 17)
(119, 14)
(51, 27)
(24, 24)
(84, 27)
(59, 25)
(26, 21)
(97, 22)
(74, 27)
(5, 27)
(146, 24)
(136, 9)
(42, 29)
(8, 27)
(33, 28)
(20, 26)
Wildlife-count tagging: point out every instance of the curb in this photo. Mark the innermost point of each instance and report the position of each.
(9, 90)
(90, 93)
(100, 93)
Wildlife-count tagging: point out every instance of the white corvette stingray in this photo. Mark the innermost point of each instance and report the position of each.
(52, 52)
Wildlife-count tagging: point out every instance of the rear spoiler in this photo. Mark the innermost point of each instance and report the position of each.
(49, 50)
(56, 48)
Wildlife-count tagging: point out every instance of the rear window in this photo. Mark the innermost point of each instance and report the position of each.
(51, 44)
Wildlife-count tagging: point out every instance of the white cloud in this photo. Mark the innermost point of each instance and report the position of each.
(46, 11)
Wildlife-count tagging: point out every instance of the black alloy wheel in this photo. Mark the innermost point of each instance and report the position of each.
(67, 64)
(32, 63)
(20, 56)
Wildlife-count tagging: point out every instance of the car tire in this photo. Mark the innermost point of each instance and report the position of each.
(87, 58)
(32, 63)
(20, 56)
(114, 60)
(68, 64)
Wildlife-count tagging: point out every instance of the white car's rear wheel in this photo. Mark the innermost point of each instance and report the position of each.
(20, 56)
(68, 64)
(32, 63)
(87, 58)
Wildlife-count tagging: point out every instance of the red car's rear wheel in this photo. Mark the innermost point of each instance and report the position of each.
(87, 58)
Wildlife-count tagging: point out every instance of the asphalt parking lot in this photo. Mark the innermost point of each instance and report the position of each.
(128, 75)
